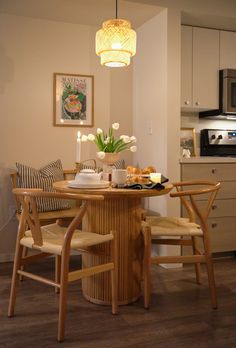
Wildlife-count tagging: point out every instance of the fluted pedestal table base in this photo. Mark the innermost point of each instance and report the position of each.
(121, 214)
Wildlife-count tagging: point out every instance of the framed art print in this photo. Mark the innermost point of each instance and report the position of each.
(73, 102)
(188, 142)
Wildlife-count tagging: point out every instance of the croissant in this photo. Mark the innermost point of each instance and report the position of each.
(149, 170)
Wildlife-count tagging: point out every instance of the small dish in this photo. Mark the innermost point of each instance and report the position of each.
(91, 185)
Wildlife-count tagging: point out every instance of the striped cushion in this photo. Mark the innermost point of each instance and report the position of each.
(43, 178)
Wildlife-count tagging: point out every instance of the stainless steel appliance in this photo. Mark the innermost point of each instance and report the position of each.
(227, 97)
(217, 142)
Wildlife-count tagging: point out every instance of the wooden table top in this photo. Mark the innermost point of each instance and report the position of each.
(62, 186)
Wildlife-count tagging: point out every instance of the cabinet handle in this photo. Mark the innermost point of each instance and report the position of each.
(213, 170)
(214, 207)
(197, 103)
(214, 225)
(186, 102)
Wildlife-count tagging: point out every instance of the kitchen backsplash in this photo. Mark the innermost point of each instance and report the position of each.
(191, 120)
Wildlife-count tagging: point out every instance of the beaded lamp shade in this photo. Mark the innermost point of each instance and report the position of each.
(116, 43)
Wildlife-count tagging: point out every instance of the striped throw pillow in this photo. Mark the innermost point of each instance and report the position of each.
(43, 178)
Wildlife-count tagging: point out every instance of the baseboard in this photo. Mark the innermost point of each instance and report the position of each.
(6, 258)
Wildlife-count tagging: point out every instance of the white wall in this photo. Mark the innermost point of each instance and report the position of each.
(30, 52)
(149, 101)
(156, 119)
(156, 86)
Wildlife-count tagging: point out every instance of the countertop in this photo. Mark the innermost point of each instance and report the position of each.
(208, 159)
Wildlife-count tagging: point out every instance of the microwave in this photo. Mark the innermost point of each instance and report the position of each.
(227, 97)
(229, 91)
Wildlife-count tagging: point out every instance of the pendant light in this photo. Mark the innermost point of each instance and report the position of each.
(116, 42)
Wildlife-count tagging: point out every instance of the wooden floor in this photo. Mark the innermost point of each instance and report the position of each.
(180, 315)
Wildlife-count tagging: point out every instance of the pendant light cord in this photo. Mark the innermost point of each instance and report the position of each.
(116, 8)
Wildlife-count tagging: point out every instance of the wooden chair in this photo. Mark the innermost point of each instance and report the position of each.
(56, 240)
(65, 216)
(161, 230)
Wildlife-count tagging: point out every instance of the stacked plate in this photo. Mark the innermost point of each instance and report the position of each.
(87, 178)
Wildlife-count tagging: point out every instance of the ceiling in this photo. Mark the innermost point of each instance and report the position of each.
(216, 22)
(88, 12)
(94, 12)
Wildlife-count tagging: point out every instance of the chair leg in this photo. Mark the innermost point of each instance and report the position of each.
(57, 271)
(15, 278)
(211, 280)
(196, 265)
(147, 266)
(114, 275)
(63, 297)
(210, 270)
(24, 254)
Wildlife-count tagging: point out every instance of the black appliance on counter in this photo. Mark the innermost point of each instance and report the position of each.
(218, 142)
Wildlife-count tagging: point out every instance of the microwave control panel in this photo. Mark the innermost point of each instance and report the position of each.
(221, 137)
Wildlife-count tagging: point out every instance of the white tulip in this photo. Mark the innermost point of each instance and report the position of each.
(101, 154)
(126, 139)
(91, 137)
(133, 148)
(133, 139)
(115, 126)
(99, 131)
(84, 138)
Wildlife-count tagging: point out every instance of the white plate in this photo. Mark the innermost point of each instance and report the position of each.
(98, 184)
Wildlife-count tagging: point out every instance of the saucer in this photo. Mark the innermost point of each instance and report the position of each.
(97, 184)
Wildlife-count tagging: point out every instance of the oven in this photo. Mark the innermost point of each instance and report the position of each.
(218, 142)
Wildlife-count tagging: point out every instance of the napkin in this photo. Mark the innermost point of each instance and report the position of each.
(151, 186)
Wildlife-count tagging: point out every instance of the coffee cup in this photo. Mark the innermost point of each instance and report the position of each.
(119, 176)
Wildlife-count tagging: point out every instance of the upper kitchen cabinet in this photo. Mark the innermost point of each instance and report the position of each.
(227, 50)
(199, 69)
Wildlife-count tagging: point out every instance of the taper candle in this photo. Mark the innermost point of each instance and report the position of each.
(78, 147)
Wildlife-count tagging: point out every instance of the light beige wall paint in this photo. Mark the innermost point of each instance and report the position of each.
(33, 50)
(157, 105)
(30, 52)
(173, 103)
(150, 99)
(121, 103)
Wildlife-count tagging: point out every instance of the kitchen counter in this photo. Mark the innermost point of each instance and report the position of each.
(208, 159)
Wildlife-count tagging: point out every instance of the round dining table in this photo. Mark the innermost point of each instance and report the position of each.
(120, 211)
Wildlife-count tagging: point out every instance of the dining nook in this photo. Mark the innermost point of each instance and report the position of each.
(117, 191)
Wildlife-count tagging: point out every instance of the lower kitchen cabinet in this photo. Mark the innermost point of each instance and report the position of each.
(222, 219)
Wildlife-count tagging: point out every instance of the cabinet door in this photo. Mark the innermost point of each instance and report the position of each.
(227, 50)
(186, 67)
(205, 68)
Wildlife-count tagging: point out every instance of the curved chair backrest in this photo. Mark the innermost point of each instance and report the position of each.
(188, 192)
(28, 200)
